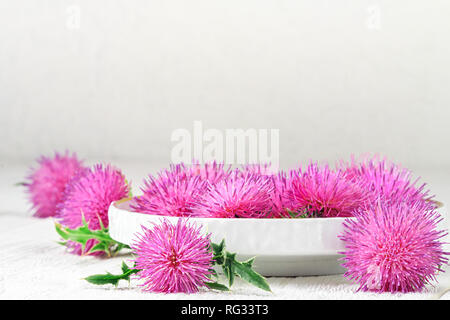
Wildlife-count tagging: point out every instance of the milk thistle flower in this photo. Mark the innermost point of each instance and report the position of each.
(324, 192)
(281, 197)
(237, 196)
(173, 257)
(282, 205)
(89, 195)
(48, 181)
(174, 192)
(393, 247)
(387, 181)
(178, 257)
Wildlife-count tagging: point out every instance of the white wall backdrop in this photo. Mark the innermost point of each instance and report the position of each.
(112, 79)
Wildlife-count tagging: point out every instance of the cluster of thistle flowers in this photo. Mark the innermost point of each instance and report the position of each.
(392, 244)
(168, 257)
(214, 191)
(63, 188)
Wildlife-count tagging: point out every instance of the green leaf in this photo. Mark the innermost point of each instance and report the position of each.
(101, 279)
(125, 268)
(218, 252)
(217, 286)
(231, 267)
(228, 267)
(228, 271)
(214, 273)
(218, 248)
(121, 246)
(249, 262)
(101, 246)
(108, 278)
(60, 230)
(248, 274)
(83, 234)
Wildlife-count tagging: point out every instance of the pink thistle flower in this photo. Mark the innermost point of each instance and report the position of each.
(393, 248)
(175, 192)
(238, 196)
(280, 190)
(281, 197)
(90, 195)
(387, 181)
(324, 192)
(48, 181)
(173, 257)
(281, 200)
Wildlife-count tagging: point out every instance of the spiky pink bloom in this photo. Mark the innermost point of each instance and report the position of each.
(282, 205)
(173, 257)
(48, 181)
(281, 197)
(173, 192)
(324, 192)
(393, 248)
(387, 181)
(237, 196)
(90, 195)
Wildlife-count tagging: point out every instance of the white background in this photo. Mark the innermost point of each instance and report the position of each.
(112, 79)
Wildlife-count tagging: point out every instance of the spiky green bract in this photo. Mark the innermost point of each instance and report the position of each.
(83, 237)
(108, 278)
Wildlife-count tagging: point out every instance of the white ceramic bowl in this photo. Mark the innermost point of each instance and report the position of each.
(283, 247)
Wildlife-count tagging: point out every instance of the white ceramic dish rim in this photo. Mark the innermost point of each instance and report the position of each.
(285, 237)
(293, 220)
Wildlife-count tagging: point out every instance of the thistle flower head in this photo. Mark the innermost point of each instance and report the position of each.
(173, 192)
(387, 181)
(324, 192)
(282, 204)
(393, 247)
(48, 181)
(238, 195)
(89, 195)
(173, 257)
